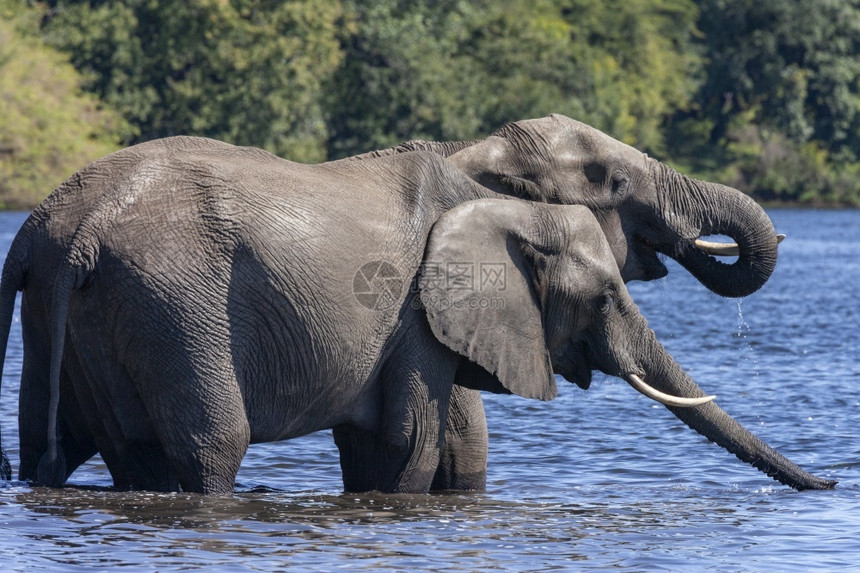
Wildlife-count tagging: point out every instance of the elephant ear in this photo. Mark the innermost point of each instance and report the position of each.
(478, 289)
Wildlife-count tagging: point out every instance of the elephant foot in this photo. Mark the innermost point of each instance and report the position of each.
(52, 469)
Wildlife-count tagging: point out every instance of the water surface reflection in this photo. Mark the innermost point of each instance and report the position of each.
(601, 479)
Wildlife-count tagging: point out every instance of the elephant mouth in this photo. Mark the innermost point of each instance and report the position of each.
(645, 265)
(580, 370)
(575, 366)
(582, 377)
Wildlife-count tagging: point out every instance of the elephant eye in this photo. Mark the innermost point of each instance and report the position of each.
(620, 181)
(605, 303)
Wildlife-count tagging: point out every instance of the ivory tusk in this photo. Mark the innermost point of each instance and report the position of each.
(662, 397)
(725, 249)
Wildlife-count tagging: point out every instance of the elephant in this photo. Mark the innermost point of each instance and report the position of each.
(643, 207)
(219, 315)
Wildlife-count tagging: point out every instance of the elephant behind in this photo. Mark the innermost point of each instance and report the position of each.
(228, 311)
(643, 207)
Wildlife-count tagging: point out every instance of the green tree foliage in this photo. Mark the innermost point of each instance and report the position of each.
(761, 94)
(780, 106)
(48, 127)
(643, 63)
(457, 69)
(402, 76)
(245, 71)
(795, 63)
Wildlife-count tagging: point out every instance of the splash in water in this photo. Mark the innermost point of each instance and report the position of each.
(743, 333)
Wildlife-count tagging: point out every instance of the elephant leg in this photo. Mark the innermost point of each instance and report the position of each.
(145, 466)
(359, 457)
(76, 440)
(135, 462)
(177, 421)
(200, 420)
(207, 451)
(463, 456)
(139, 466)
(32, 423)
(463, 460)
(403, 459)
(401, 454)
(128, 445)
(417, 388)
(33, 400)
(76, 444)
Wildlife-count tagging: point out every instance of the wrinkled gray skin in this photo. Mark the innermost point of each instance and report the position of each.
(643, 207)
(186, 365)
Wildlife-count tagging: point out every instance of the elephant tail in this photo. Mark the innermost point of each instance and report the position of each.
(72, 274)
(52, 465)
(12, 280)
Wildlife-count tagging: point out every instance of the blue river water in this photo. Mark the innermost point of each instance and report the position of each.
(603, 479)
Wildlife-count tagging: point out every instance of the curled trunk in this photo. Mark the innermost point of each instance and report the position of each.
(698, 208)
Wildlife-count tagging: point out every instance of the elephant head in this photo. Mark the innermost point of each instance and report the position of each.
(545, 296)
(643, 206)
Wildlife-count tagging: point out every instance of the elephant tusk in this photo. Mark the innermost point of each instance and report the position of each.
(662, 397)
(725, 249)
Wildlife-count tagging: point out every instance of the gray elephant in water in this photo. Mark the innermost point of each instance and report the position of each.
(220, 296)
(255, 336)
(643, 207)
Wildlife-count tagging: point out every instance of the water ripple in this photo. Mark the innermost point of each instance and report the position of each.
(602, 479)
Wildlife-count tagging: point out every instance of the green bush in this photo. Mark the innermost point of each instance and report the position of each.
(250, 72)
(799, 173)
(768, 165)
(48, 127)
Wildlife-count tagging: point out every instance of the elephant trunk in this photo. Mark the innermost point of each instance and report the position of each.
(715, 424)
(666, 375)
(697, 208)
